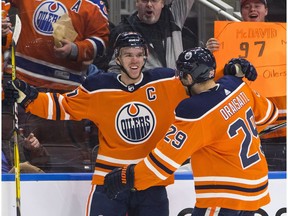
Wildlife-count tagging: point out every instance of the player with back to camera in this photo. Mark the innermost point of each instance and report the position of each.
(218, 127)
(257, 11)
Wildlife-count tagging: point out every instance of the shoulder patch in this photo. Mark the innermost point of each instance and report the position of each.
(101, 6)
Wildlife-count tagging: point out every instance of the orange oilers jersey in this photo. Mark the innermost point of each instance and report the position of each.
(35, 59)
(131, 119)
(218, 129)
(274, 136)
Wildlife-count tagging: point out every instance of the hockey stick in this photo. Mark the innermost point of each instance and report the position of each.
(15, 37)
(273, 128)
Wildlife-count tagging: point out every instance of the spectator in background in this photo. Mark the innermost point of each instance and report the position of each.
(32, 154)
(256, 11)
(251, 11)
(160, 25)
(6, 34)
(59, 69)
(102, 61)
(44, 65)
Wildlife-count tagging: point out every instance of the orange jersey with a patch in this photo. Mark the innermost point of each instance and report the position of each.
(35, 59)
(218, 129)
(131, 119)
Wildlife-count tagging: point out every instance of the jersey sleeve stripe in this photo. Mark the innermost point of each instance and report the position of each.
(166, 159)
(100, 173)
(98, 45)
(271, 114)
(57, 106)
(50, 106)
(160, 165)
(154, 170)
(66, 115)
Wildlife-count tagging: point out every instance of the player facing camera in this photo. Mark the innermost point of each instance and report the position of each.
(131, 52)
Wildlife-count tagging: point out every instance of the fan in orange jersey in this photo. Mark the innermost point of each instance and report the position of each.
(132, 111)
(218, 128)
(44, 65)
(6, 32)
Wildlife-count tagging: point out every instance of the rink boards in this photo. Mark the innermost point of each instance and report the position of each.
(65, 194)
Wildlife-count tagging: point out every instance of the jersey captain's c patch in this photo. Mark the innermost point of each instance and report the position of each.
(135, 122)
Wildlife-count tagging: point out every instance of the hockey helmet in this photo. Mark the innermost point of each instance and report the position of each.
(129, 39)
(199, 62)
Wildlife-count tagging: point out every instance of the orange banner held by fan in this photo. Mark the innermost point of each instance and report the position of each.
(263, 44)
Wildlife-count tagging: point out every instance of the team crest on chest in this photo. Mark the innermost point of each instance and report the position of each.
(135, 122)
(46, 13)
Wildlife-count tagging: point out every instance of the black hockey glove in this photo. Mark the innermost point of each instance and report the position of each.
(240, 67)
(20, 92)
(10, 95)
(119, 180)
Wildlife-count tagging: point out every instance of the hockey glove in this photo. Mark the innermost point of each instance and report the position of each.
(10, 95)
(119, 180)
(20, 92)
(240, 67)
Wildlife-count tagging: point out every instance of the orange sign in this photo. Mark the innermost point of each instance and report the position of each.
(263, 44)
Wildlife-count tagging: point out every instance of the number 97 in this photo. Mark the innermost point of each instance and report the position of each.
(244, 46)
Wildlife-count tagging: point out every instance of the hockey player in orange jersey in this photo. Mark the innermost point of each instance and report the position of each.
(218, 128)
(132, 110)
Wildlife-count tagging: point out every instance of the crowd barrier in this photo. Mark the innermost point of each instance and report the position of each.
(65, 194)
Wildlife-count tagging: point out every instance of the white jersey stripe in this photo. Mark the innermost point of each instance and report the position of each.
(50, 107)
(154, 170)
(118, 161)
(232, 196)
(166, 159)
(231, 179)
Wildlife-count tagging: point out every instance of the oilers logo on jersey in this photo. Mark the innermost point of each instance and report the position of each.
(135, 122)
(47, 13)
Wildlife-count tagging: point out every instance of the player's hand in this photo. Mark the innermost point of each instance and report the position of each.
(119, 180)
(10, 95)
(240, 67)
(26, 93)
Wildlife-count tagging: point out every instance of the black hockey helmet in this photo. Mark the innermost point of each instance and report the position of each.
(199, 62)
(129, 39)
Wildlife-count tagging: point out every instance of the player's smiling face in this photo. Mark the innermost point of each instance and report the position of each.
(254, 11)
(132, 60)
